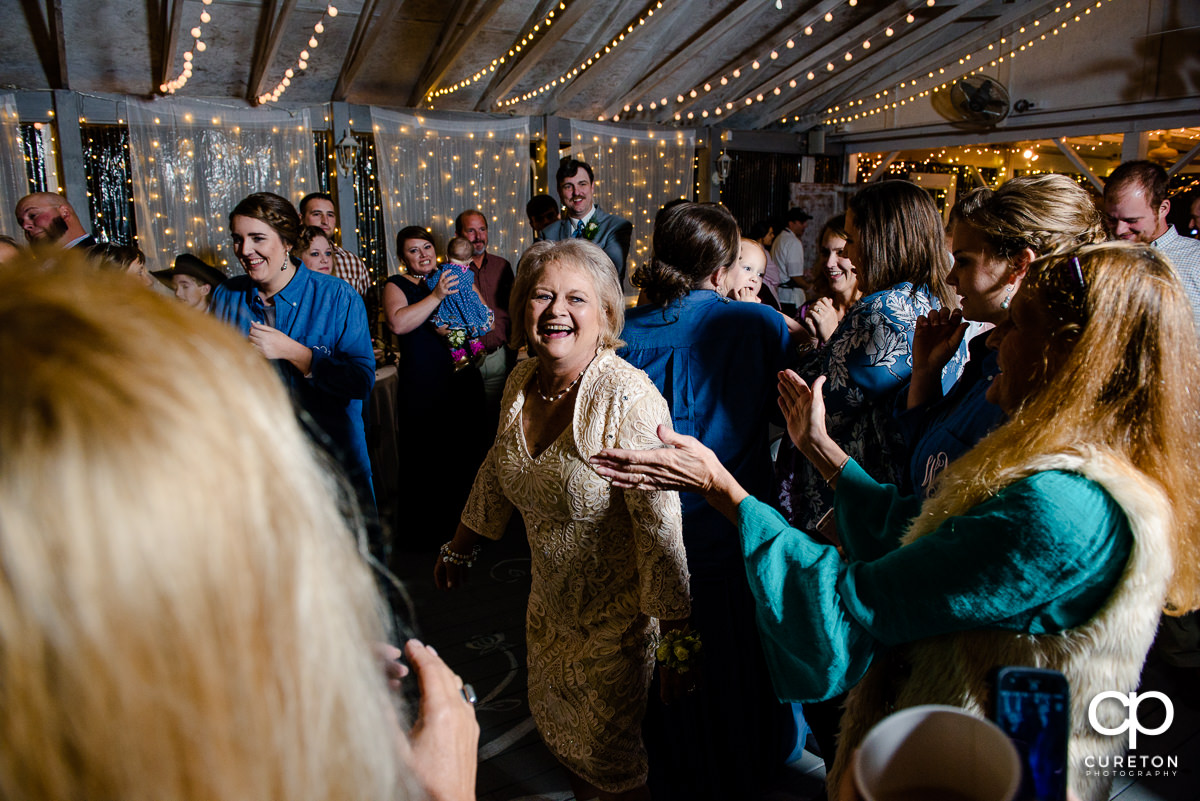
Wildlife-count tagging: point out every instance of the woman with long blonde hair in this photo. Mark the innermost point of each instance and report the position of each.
(1056, 542)
(183, 612)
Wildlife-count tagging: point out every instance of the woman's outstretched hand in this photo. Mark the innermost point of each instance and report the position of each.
(686, 466)
(936, 337)
(804, 409)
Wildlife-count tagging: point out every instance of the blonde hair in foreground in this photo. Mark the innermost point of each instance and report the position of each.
(1127, 383)
(183, 614)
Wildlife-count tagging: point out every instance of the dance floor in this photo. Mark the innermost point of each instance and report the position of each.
(479, 630)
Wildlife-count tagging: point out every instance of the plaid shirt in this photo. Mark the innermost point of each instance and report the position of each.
(351, 268)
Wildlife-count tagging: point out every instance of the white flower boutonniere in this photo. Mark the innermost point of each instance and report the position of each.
(590, 230)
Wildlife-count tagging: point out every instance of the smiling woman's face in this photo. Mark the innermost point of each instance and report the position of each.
(564, 317)
(259, 248)
(420, 257)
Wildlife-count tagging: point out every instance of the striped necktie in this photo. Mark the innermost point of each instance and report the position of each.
(578, 232)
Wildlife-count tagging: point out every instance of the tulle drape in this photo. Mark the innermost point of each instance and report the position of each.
(431, 169)
(637, 171)
(192, 162)
(14, 184)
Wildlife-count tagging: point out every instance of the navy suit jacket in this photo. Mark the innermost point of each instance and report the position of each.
(613, 237)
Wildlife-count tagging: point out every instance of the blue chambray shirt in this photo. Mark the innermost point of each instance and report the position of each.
(327, 315)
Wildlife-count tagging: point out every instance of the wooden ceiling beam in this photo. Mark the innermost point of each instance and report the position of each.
(59, 33)
(519, 65)
(266, 48)
(461, 41)
(446, 36)
(834, 47)
(928, 49)
(366, 33)
(172, 21)
(636, 71)
(735, 14)
(45, 40)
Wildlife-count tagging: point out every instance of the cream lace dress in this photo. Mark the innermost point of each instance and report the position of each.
(605, 565)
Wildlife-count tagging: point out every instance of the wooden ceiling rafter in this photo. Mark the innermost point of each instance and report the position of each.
(172, 22)
(831, 48)
(276, 15)
(929, 50)
(59, 33)
(446, 38)
(451, 54)
(735, 14)
(602, 37)
(366, 32)
(637, 69)
(518, 66)
(910, 41)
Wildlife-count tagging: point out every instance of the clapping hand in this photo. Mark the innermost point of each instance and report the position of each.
(803, 408)
(936, 339)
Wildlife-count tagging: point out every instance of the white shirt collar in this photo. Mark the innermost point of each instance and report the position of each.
(585, 219)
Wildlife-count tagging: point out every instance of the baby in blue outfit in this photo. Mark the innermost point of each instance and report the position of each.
(464, 312)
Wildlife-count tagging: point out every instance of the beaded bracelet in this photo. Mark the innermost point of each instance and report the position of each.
(454, 558)
(678, 650)
(837, 472)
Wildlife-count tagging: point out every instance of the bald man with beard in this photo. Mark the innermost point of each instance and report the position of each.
(49, 220)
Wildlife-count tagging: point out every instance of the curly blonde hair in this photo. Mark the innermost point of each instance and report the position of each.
(1045, 213)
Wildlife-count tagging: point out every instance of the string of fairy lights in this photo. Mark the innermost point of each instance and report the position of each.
(301, 61)
(937, 80)
(198, 46)
(538, 29)
(583, 65)
(886, 32)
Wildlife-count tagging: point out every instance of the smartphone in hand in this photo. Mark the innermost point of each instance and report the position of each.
(1032, 706)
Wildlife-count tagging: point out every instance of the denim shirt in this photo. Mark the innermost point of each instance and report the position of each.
(716, 361)
(325, 314)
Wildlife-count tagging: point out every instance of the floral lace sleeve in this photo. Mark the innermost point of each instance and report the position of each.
(487, 510)
(657, 521)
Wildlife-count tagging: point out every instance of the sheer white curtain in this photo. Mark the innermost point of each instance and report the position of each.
(14, 184)
(193, 161)
(431, 169)
(637, 171)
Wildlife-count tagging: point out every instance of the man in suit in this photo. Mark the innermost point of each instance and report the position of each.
(585, 220)
(48, 219)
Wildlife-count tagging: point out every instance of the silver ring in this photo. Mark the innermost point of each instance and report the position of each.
(468, 694)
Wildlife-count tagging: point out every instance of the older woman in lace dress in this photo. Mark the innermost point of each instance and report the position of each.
(608, 565)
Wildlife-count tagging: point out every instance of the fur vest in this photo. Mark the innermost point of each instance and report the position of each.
(1105, 653)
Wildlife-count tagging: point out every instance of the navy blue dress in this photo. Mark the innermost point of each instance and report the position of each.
(442, 427)
(716, 362)
(940, 432)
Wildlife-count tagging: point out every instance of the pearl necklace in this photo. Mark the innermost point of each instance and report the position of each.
(557, 396)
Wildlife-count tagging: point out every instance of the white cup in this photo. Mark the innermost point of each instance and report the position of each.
(936, 753)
